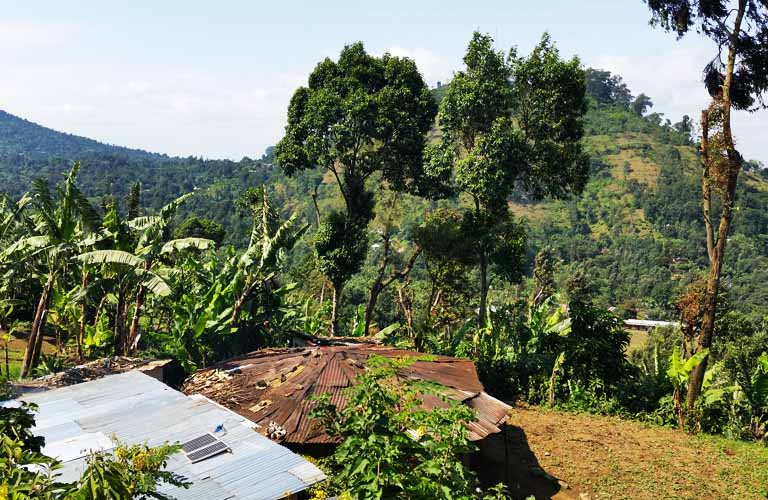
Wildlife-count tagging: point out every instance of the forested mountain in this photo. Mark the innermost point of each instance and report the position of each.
(24, 138)
(636, 230)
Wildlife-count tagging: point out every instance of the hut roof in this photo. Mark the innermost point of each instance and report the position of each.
(235, 463)
(274, 386)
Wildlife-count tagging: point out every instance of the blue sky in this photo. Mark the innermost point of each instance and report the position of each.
(213, 79)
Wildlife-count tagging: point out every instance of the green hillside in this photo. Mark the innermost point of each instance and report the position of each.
(30, 140)
(635, 230)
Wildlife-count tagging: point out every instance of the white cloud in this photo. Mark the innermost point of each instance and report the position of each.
(433, 67)
(21, 35)
(175, 110)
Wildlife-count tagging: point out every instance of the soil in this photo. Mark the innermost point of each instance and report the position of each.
(595, 457)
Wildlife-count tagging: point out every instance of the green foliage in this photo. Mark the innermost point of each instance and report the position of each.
(50, 364)
(360, 116)
(196, 227)
(364, 113)
(98, 339)
(391, 446)
(129, 471)
(641, 104)
(606, 89)
(341, 245)
(500, 136)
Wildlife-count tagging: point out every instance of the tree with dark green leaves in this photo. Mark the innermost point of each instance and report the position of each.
(736, 78)
(510, 123)
(641, 104)
(357, 116)
(607, 89)
(199, 227)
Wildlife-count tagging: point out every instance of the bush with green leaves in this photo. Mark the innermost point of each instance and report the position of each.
(518, 349)
(391, 446)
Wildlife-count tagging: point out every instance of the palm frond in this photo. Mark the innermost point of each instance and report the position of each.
(154, 283)
(88, 213)
(41, 191)
(46, 207)
(284, 238)
(141, 223)
(27, 244)
(168, 211)
(110, 257)
(187, 243)
(13, 212)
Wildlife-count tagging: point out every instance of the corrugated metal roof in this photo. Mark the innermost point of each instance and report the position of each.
(275, 385)
(136, 408)
(648, 323)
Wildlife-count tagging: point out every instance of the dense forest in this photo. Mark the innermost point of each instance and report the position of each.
(638, 247)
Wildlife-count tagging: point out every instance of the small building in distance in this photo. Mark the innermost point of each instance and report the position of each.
(648, 324)
(223, 456)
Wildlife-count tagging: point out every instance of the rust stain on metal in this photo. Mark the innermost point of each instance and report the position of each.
(275, 386)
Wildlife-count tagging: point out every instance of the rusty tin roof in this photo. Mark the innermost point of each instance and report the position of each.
(275, 385)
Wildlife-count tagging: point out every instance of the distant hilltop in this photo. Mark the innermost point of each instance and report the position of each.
(28, 139)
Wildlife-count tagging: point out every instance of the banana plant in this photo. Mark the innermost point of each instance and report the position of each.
(139, 253)
(678, 373)
(57, 228)
(198, 323)
(271, 238)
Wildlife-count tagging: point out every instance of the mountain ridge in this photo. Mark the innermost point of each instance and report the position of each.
(636, 229)
(25, 137)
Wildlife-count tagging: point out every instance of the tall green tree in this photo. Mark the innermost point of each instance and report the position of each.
(641, 104)
(357, 116)
(736, 78)
(510, 123)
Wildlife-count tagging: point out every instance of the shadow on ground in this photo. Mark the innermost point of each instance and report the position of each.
(506, 457)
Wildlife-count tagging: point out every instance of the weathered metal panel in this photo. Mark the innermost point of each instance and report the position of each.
(277, 385)
(136, 408)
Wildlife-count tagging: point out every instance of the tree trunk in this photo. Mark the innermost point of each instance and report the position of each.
(728, 198)
(710, 299)
(81, 329)
(483, 289)
(380, 283)
(121, 314)
(99, 309)
(243, 298)
(32, 354)
(371, 306)
(133, 334)
(335, 298)
(377, 284)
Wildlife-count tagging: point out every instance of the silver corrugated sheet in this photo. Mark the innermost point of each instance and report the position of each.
(136, 408)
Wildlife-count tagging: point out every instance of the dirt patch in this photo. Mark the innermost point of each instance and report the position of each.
(16, 347)
(609, 458)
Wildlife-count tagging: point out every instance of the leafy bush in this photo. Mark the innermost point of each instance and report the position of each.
(393, 447)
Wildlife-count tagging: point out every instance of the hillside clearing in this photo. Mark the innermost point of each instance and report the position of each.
(609, 458)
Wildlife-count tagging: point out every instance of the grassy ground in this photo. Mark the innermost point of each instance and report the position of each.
(609, 458)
